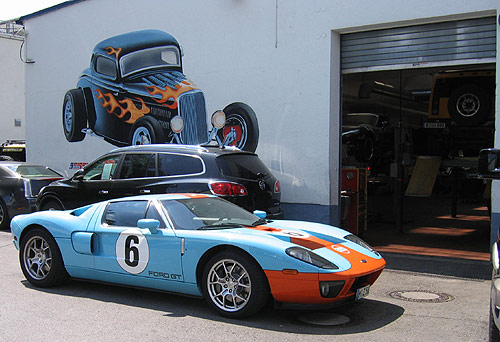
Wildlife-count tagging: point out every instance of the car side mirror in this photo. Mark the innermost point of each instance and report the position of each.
(260, 213)
(494, 257)
(78, 176)
(150, 224)
(488, 165)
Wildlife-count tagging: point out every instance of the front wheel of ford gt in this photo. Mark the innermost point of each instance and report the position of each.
(234, 285)
(41, 260)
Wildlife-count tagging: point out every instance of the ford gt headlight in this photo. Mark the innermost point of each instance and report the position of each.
(310, 257)
(358, 241)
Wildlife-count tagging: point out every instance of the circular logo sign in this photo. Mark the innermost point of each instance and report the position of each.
(292, 233)
(132, 251)
(340, 249)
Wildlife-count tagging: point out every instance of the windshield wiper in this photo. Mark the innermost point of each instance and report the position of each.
(221, 226)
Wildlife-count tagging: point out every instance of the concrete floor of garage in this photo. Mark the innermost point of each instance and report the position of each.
(428, 227)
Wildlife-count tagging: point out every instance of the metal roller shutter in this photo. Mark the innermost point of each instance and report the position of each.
(470, 41)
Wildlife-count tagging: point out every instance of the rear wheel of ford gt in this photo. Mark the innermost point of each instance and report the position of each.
(234, 285)
(41, 260)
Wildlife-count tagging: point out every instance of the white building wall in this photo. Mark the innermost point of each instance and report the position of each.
(11, 90)
(279, 56)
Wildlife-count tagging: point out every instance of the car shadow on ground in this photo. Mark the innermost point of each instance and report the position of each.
(364, 316)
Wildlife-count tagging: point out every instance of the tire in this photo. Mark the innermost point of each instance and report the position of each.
(469, 105)
(493, 333)
(41, 260)
(146, 131)
(51, 205)
(4, 216)
(74, 115)
(244, 121)
(229, 273)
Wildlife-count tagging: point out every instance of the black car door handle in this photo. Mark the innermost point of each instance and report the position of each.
(103, 192)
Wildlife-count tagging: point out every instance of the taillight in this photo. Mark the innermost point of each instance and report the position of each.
(228, 189)
(277, 187)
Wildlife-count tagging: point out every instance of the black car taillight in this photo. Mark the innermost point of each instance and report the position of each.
(228, 189)
(277, 187)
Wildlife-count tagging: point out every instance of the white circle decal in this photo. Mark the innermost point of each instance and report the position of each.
(132, 251)
(292, 233)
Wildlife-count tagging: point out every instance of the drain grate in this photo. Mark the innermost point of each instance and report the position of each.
(422, 296)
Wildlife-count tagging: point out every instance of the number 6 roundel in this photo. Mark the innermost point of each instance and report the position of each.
(132, 251)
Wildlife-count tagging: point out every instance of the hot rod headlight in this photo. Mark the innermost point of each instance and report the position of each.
(358, 241)
(218, 119)
(310, 257)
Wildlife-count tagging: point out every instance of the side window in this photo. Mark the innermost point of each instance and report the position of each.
(105, 66)
(139, 165)
(178, 164)
(152, 213)
(103, 169)
(125, 213)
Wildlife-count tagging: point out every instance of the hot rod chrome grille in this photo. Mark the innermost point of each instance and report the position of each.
(193, 112)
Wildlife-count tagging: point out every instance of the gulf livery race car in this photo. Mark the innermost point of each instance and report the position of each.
(135, 93)
(198, 245)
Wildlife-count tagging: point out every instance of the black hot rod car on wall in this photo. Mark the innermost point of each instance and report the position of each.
(135, 92)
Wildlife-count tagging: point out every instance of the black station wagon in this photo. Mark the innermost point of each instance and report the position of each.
(235, 175)
(135, 92)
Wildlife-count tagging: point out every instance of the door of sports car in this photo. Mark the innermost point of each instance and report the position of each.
(125, 251)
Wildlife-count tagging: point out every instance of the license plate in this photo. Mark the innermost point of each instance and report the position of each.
(362, 292)
(434, 125)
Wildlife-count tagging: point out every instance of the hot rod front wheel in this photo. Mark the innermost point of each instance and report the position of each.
(146, 131)
(234, 285)
(241, 129)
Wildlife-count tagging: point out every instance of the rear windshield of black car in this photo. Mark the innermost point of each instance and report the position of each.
(34, 171)
(245, 166)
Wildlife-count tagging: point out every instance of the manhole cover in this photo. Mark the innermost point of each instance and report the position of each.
(323, 318)
(423, 296)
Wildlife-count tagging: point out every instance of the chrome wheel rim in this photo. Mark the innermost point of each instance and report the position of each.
(37, 258)
(2, 214)
(141, 136)
(229, 285)
(468, 105)
(68, 116)
(237, 120)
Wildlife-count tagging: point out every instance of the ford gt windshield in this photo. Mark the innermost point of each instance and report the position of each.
(165, 56)
(207, 213)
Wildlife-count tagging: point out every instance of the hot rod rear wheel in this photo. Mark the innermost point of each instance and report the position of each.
(469, 105)
(234, 285)
(242, 119)
(74, 115)
(41, 260)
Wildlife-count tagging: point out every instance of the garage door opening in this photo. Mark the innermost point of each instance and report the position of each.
(411, 136)
(408, 175)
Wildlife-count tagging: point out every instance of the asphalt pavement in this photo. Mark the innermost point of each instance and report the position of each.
(415, 299)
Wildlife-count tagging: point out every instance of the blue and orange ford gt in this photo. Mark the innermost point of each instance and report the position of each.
(198, 245)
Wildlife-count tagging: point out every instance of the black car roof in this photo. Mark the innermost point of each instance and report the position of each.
(136, 40)
(181, 148)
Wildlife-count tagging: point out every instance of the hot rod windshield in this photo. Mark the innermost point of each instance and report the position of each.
(157, 57)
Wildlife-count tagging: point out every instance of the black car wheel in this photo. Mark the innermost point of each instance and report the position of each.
(41, 260)
(242, 128)
(469, 105)
(51, 205)
(74, 115)
(146, 131)
(4, 216)
(234, 285)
